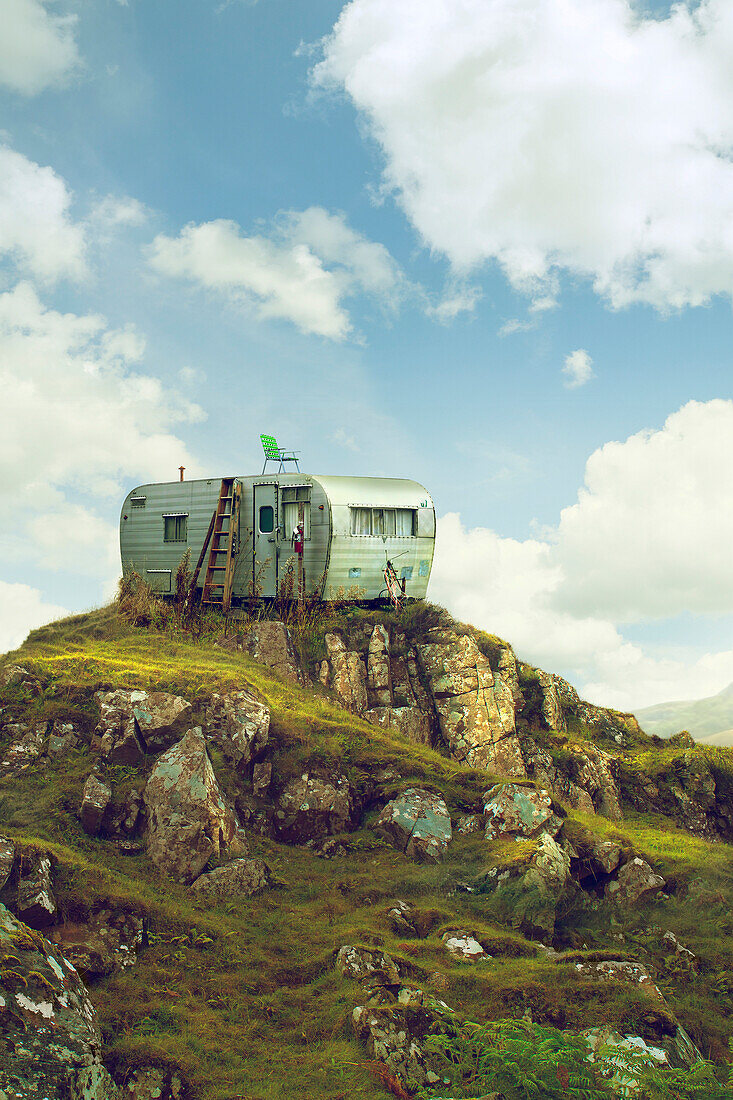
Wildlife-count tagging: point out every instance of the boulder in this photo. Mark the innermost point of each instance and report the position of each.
(35, 901)
(240, 725)
(531, 888)
(26, 748)
(95, 800)
(475, 707)
(310, 807)
(188, 818)
(359, 963)
(269, 643)
(378, 667)
(395, 1035)
(463, 946)
(16, 676)
(127, 817)
(348, 675)
(470, 823)
(261, 778)
(518, 811)
(52, 1043)
(133, 723)
(240, 878)
(63, 738)
(153, 1083)
(107, 942)
(411, 723)
(418, 824)
(552, 711)
(606, 856)
(636, 881)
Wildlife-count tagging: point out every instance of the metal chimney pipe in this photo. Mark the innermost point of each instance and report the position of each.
(181, 469)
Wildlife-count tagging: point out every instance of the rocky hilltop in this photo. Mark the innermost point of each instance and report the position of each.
(363, 854)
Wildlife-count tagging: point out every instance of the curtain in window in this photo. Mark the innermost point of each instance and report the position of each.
(403, 521)
(290, 518)
(389, 522)
(361, 521)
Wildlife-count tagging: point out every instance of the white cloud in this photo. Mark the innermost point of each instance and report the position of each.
(578, 368)
(457, 298)
(554, 136)
(36, 230)
(77, 424)
(37, 49)
(115, 210)
(22, 609)
(648, 539)
(302, 272)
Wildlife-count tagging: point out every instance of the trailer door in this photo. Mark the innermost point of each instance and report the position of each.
(266, 536)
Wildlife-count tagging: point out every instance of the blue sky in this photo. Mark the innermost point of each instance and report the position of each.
(485, 244)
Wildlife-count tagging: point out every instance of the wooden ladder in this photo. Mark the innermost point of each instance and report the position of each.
(218, 588)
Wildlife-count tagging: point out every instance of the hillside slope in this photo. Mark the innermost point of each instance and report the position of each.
(709, 720)
(303, 862)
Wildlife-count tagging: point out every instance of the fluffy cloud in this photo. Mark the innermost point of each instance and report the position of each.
(36, 230)
(76, 422)
(301, 272)
(37, 49)
(648, 538)
(22, 609)
(578, 368)
(554, 135)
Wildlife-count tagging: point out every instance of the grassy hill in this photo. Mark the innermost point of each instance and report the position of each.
(708, 720)
(241, 997)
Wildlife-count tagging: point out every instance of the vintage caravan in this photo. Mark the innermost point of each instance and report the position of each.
(242, 529)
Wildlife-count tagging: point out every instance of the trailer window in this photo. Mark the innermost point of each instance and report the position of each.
(291, 497)
(267, 519)
(383, 522)
(175, 528)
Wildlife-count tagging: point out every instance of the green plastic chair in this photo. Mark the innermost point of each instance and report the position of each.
(273, 453)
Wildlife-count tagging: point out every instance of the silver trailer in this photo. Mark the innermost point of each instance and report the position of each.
(353, 525)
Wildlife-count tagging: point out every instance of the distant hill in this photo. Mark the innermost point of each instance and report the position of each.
(708, 720)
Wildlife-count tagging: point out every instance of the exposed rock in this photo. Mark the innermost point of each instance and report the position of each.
(26, 748)
(269, 643)
(596, 775)
(127, 818)
(240, 878)
(412, 723)
(418, 824)
(606, 855)
(359, 963)
(400, 919)
(261, 777)
(152, 1083)
(464, 946)
(635, 880)
(13, 675)
(541, 767)
(520, 811)
(7, 859)
(188, 818)
(533, 885)
(35, 901)
(394, 1035)
(94, 802)
(670, 940)
(607, 721)
(507, 668)
(552, 711)
(52, 1045)
(475, 707)
(132, 723)
(310, 807)
(348, 675)
(470, 823)
(63, 738)
(240, 725)
(378, 667)
(108, 941)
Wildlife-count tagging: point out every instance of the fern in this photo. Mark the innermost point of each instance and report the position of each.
(523, 1061)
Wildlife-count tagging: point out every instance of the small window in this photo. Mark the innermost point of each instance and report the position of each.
(355, 571)
(406, 573)
(138, 502)
(175, 528)
(423, 570)
(291, 498)
(267, 519)
(159, 579)
(404, 522)
(361, 521)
